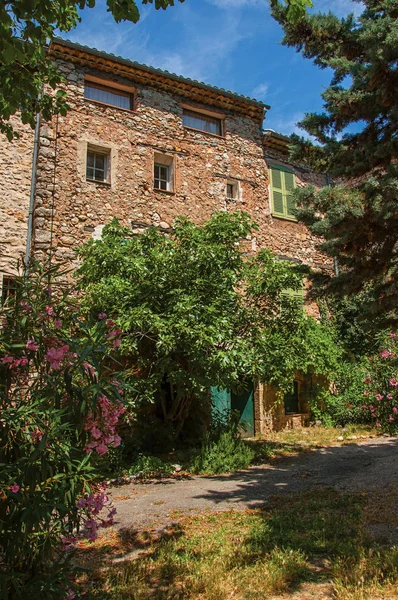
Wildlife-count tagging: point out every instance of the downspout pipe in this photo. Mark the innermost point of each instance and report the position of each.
(32, 193)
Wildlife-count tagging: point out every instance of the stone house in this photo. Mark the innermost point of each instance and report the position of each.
(146, 146)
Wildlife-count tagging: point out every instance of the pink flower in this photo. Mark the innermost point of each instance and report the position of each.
(50, 311)
(378, 425)
(392, 335)
(385, 354)
(391, 419)
(366, 393)
(389, 396)
(110, 323)
(7, 359)
(96, 433)
(102, 316)
(394, 382)
(101, 449)
(379, 397)
(364, 406)
(56, 355)
(25, 306)
(81, 503)
(14, 488)
(395, 410)
(57, 323)
(32, 345)
(116, 343)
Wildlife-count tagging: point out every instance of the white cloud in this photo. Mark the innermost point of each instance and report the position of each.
(260, 91)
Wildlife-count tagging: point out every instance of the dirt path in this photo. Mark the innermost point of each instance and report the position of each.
(370, 465)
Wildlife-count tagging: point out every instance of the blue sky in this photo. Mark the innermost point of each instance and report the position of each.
(233, 44)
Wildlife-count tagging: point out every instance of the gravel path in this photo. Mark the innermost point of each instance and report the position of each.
(368, 465)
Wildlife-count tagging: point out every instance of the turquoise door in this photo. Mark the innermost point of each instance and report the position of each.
(243, 403)
(224, 401)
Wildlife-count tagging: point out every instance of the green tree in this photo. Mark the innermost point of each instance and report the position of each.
(356, 142)
(26, 29)
(195, 311)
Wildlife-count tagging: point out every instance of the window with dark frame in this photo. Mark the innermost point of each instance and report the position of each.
(202, 122)
(8, 288)
(97, 166)
(108, 95)
(162, 178)
(233, 192)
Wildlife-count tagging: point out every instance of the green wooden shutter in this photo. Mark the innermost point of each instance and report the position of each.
(277, 191)
(289, 186)
(282, 185)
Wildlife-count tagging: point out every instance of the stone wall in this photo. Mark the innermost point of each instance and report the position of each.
(15, 167)
(203, 164)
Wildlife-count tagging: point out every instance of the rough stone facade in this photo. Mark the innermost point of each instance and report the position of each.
(69, 209)
(15, 168)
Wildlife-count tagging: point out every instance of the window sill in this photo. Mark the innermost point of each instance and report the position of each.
(104, 183)
(215, 135)
(284, 217)
(168, 192)
(128, 110)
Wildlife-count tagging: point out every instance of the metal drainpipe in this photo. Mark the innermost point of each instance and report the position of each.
(32, 193)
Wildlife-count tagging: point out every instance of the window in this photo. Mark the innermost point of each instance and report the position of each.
(97, 165)
(282, 185)
(8, 287)
(202, 122)
(295, 295)
(163, 172)
(162, 177)
(233, 190)
(108, 95)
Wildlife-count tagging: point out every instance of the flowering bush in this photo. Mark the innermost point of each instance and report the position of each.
(381, 383)
(60, 404)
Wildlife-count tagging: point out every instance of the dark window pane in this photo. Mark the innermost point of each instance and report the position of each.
(90, 172)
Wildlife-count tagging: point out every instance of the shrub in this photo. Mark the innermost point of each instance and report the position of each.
(343, 403)
(147, 466)
(381, 380)
(60, 402)
(223, 451)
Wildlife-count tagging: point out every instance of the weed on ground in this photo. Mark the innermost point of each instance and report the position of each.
(310, 545)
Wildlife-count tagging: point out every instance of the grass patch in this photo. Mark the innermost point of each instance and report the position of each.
(293, 441)
(312, 541)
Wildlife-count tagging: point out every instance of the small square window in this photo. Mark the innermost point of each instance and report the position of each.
(162, 177)
(233, 192)
(163, 172)
(97, 166)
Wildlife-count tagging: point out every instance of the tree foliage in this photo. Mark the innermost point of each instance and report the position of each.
(196, 312)
(26, 71)
(356, 217)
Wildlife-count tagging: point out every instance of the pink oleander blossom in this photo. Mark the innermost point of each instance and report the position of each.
(102, 316)
(391, 419)
(32, 345)
(56, 355)
(14, 488)
(395, 410)
(385, 354)
(50, 311)
(57, 323)
(394, 382)
(366, 393)
(389, 396)
(379, 397)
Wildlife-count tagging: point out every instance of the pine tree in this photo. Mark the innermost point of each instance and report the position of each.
(356, 137)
